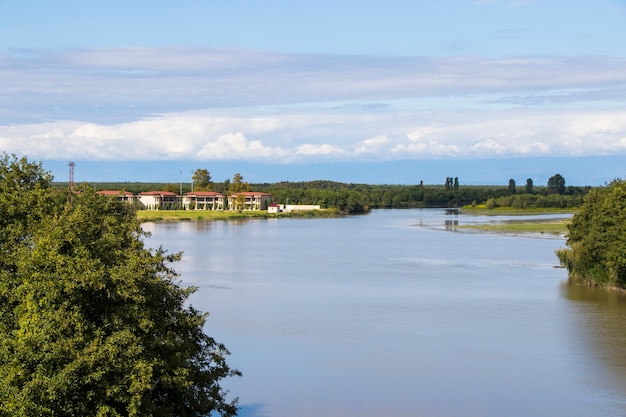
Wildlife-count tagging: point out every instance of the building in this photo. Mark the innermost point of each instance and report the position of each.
(288, 208)
(122, 196)
(203, 200)
(159, 200)
(249, 200)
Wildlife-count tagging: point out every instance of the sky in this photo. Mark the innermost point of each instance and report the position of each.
(369, 91)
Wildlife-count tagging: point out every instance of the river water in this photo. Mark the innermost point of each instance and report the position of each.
(397, 313)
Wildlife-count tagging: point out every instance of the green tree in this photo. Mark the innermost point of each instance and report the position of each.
(92, 322)
(172, 188)
(512, 186)
(597, 237)
(529, 186)
(202, 180)
(238, 185)
(556, 184)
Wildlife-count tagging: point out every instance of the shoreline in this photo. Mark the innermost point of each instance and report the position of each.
(208, 215)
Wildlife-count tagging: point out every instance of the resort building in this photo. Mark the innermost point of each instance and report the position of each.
(198, 200)
(122, 196)
(159, 200)
(203, 200)
(249, 200)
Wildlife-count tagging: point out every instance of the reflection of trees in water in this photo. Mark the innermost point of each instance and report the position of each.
(600, 321)
(452, 224)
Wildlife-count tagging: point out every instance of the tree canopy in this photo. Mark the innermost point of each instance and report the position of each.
(597, 237)
(91, 321)
(556, 184)
(238, 185)
(201, 180)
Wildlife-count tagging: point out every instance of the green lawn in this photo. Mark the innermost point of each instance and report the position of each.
(194, 215)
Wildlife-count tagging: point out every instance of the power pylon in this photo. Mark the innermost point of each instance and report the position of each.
(71, 165)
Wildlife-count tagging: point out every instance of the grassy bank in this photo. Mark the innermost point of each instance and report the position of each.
(552, 226)
(481, 209)
(203, 215)
(538, 226)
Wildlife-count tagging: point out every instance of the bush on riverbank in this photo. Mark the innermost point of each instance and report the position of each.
(92, 322)
(597, 238)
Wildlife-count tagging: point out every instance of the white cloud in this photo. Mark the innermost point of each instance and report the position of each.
(202, 136)
(372, 145)
(154, 104)
(323, 149)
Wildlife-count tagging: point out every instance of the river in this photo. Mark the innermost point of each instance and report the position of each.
(396, 313)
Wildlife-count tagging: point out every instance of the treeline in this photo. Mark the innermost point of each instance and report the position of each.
(359, 198)
(597, 238)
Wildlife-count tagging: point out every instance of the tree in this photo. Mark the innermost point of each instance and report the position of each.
(512, 186)
(172, 188)
(529, 186)
(556, 184)
(597, 237)
(202, 180)
(238, 185)
(92, 322)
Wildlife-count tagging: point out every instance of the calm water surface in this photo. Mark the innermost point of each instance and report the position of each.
(395, 314)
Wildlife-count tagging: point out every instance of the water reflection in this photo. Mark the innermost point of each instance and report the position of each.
(599, 322)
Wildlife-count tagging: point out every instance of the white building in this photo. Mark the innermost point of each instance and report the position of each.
(249, 200)
(159, 200)
(203, 200)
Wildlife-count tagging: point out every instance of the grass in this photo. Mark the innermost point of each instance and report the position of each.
(539, 226)
(202, 215)
(551, 226)
(512, 211)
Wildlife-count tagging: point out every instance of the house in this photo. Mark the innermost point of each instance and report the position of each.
(274, 208)
(249, 200)
(159, 200)
(203, 200)
(122, 196)
(288, 208)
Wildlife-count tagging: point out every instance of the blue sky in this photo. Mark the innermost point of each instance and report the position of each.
(354, 91)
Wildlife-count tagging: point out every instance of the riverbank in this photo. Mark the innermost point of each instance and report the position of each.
(203, 215)
(540, 226)
(553, 226)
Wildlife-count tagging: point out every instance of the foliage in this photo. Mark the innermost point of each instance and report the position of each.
(201, 180)
(91, 321)
(529, 186)
(512, 189)
(556, 184)
(238, 185)
(172, 188)
(597, 237)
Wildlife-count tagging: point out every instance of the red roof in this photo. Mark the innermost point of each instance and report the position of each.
(161, 193)
(114, 192)
(203, 194)
(252, 194)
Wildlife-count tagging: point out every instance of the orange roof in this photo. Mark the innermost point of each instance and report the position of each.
(161, 193)
(251, 193)
(203, 193)
(114, 192)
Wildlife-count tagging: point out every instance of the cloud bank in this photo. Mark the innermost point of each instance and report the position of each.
(219, 104)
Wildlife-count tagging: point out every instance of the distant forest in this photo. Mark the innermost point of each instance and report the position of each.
(358, 198)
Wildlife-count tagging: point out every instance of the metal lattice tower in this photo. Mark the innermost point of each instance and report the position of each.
(71, 165)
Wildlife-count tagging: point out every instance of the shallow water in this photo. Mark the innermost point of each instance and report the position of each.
(390, 314)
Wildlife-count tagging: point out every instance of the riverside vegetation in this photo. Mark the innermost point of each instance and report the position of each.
(91, 321)
(596, 253)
